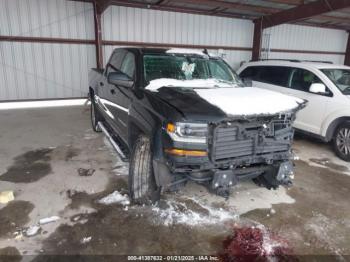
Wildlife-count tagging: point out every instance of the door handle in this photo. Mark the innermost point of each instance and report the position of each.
(112, 91)
(101, 84)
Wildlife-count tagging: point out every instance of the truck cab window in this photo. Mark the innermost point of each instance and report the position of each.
(115, 61)
(128, 65)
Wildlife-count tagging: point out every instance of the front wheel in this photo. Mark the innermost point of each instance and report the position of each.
(341, 142)
(142, 185)
(95, 117)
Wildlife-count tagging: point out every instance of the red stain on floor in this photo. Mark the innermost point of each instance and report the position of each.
(255, 244)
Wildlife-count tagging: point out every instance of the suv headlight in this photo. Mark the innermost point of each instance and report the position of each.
(188, 132)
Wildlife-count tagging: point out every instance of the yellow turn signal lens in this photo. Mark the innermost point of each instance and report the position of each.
(182, 152)
(170, 128)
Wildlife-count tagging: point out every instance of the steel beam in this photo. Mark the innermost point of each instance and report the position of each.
(257, 39)
(98, 35)
(347, 52)
(304, 11)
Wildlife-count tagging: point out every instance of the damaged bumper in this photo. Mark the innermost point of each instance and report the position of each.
(236, 149)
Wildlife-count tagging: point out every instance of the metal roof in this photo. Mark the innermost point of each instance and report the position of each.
(245, 9)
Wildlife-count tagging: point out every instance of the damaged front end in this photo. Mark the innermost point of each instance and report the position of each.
(237, 148)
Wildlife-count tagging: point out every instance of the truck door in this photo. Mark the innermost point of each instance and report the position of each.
(121, 96)
(107, 91)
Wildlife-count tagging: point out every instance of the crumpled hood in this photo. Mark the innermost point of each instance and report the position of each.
(249, 100)
(215, 99)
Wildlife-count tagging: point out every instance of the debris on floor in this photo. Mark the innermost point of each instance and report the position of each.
(86, 172)
(114, 198)
(47, 220)
(86, 240)
(255, 242)
(32, 231)
(190, 211)
(6, 196)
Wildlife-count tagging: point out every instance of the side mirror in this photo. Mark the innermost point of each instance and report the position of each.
(120, 79)
(248, 82)
(318, 88)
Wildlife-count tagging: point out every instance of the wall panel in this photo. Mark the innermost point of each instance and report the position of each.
(307, 38)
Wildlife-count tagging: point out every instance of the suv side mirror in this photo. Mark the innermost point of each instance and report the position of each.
(318, 88)
(120, 79)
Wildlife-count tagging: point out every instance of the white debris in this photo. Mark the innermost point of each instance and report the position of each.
(48, 220)
(272, 211)
(296, 158)
(126, 208)
(154, 85)
(115, 197)
(179, 213)
(86, 240)
(186, 51)
(32, 230)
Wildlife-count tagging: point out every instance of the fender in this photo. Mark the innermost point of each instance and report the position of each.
(331, 122)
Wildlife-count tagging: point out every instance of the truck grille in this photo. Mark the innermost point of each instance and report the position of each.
(239, 141)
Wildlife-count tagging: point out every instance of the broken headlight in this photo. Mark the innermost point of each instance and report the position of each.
(188, 132)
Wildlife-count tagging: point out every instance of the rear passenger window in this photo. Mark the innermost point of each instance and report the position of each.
(249, 73)
(275, 75)
(302, 79)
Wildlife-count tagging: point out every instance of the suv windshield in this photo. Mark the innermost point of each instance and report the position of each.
(340, 77)
(188, 67)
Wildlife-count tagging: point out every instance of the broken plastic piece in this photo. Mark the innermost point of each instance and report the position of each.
(48, 220)
(6, 196)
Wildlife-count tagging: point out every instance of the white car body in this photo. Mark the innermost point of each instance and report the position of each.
(323, 113)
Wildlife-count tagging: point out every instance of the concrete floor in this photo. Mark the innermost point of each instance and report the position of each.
(47, 157)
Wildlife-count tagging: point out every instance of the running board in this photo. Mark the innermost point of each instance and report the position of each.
(113, 143)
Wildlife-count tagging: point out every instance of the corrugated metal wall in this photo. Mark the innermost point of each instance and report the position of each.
(152, 26)
(37, 70)
(295, 37)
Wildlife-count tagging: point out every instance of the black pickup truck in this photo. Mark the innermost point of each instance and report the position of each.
(184, 115)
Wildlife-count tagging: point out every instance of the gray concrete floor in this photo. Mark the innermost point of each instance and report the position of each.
(43, 156)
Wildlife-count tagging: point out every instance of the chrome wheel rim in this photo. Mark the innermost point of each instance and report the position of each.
(343, 140)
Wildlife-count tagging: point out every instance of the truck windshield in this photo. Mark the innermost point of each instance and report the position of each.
(340, 77)
(187, 67)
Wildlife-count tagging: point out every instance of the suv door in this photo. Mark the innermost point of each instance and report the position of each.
(310, 118)
(121, 96)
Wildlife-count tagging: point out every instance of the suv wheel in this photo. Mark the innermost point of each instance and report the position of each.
(142, 184)
(341, 141)
(95, 117)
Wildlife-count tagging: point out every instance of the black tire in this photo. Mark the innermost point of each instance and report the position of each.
(341, 141)
(142, 185)
(95, 117)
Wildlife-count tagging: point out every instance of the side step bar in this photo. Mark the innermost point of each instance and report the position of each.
(113, 143)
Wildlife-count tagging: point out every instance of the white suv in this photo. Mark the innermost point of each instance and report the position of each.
(325, 86)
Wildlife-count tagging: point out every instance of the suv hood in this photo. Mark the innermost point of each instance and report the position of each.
(225, 101)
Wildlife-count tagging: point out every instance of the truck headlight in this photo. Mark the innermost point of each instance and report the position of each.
(188, 132)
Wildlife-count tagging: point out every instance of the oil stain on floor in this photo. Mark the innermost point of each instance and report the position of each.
(14, 215)
(29, 167)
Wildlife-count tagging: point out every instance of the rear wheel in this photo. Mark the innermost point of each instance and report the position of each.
(95, 117)
(341, 141)
(142, 185)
